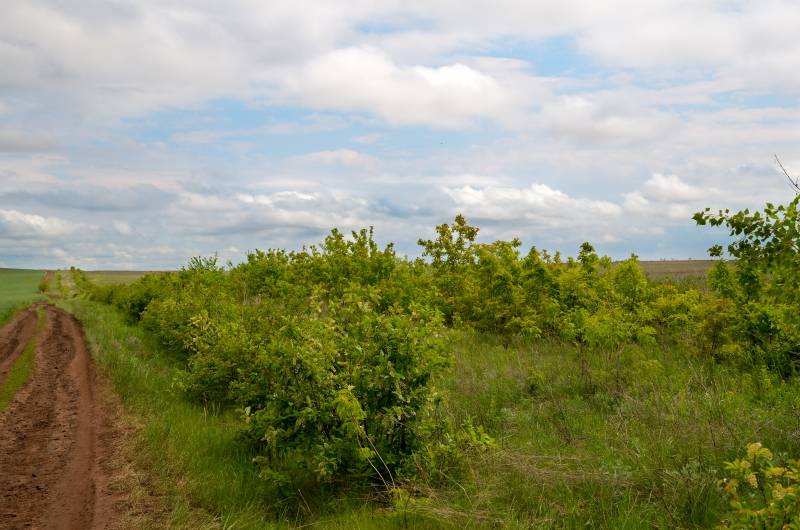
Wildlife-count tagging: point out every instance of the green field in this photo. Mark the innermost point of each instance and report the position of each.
(656, 270)
(115, 277)
(18, 287)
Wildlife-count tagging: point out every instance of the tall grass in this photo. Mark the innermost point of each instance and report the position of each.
(645, 455)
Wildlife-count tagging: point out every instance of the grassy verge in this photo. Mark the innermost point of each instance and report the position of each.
(23, 367)
(191, 453)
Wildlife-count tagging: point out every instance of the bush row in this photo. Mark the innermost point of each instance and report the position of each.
(334, 352)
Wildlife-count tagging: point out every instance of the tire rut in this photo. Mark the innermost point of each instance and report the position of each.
(14, 337)
(56, 438)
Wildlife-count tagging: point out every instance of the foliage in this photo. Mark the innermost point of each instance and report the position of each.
(763, 288)
(339, 360)
(44, 283)
(762, 493)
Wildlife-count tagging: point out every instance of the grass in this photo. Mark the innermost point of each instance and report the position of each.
(23, 367)
(191, 452)
(575, 452)
(18, 288)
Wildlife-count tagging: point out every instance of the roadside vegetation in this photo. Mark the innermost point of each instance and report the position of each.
(482, 386)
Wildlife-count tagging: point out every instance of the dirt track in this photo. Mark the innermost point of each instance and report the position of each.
(57, 441)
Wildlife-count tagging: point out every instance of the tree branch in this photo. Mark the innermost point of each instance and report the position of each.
(794, 182)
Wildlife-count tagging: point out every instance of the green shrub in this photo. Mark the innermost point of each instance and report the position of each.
(762, 493)
(764, 287)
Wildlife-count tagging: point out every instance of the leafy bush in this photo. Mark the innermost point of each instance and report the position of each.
(333, 352)
(762, 494)
(44, 283)
(764, 286)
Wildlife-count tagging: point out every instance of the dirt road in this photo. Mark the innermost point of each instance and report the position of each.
(57, 440)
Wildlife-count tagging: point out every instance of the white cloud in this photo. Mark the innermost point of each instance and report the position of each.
(670, 188)
(16, 225)
(636, 116)
(355, 79)
(537, 203)
(133, 57)
(583, 120)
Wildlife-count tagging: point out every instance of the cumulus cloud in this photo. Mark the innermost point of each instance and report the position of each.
(670, 197)
(164, 129)
(18, 225)
(537, 202)
(585, 121)
(368, 79)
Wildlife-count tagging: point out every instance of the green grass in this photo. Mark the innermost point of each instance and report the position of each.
(578, 451)
(191, 451)
(18, 288)
(22, 368)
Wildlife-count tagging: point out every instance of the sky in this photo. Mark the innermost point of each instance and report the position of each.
(136, 134)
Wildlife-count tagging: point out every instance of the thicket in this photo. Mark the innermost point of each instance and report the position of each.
(335, 353)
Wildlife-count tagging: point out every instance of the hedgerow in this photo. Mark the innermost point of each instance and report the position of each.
(334, 353)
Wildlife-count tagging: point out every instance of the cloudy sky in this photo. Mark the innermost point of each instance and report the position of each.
(137, 133)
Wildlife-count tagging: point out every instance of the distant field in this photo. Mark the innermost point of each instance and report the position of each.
(676, 268)
(17, 287)
(656, 270)
(115, 277)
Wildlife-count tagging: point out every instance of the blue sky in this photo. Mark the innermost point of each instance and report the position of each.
(134, 135)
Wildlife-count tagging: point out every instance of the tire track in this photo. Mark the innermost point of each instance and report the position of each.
(56, 438)
(14, 337)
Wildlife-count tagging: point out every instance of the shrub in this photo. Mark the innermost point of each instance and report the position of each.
(762, 494)
(764, 286)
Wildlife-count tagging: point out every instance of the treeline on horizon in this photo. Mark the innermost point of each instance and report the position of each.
(335, 353)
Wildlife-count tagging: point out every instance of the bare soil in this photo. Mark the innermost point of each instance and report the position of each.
(59, 447)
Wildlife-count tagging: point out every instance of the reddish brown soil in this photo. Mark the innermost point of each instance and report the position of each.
(57, 439)
(13, 339)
